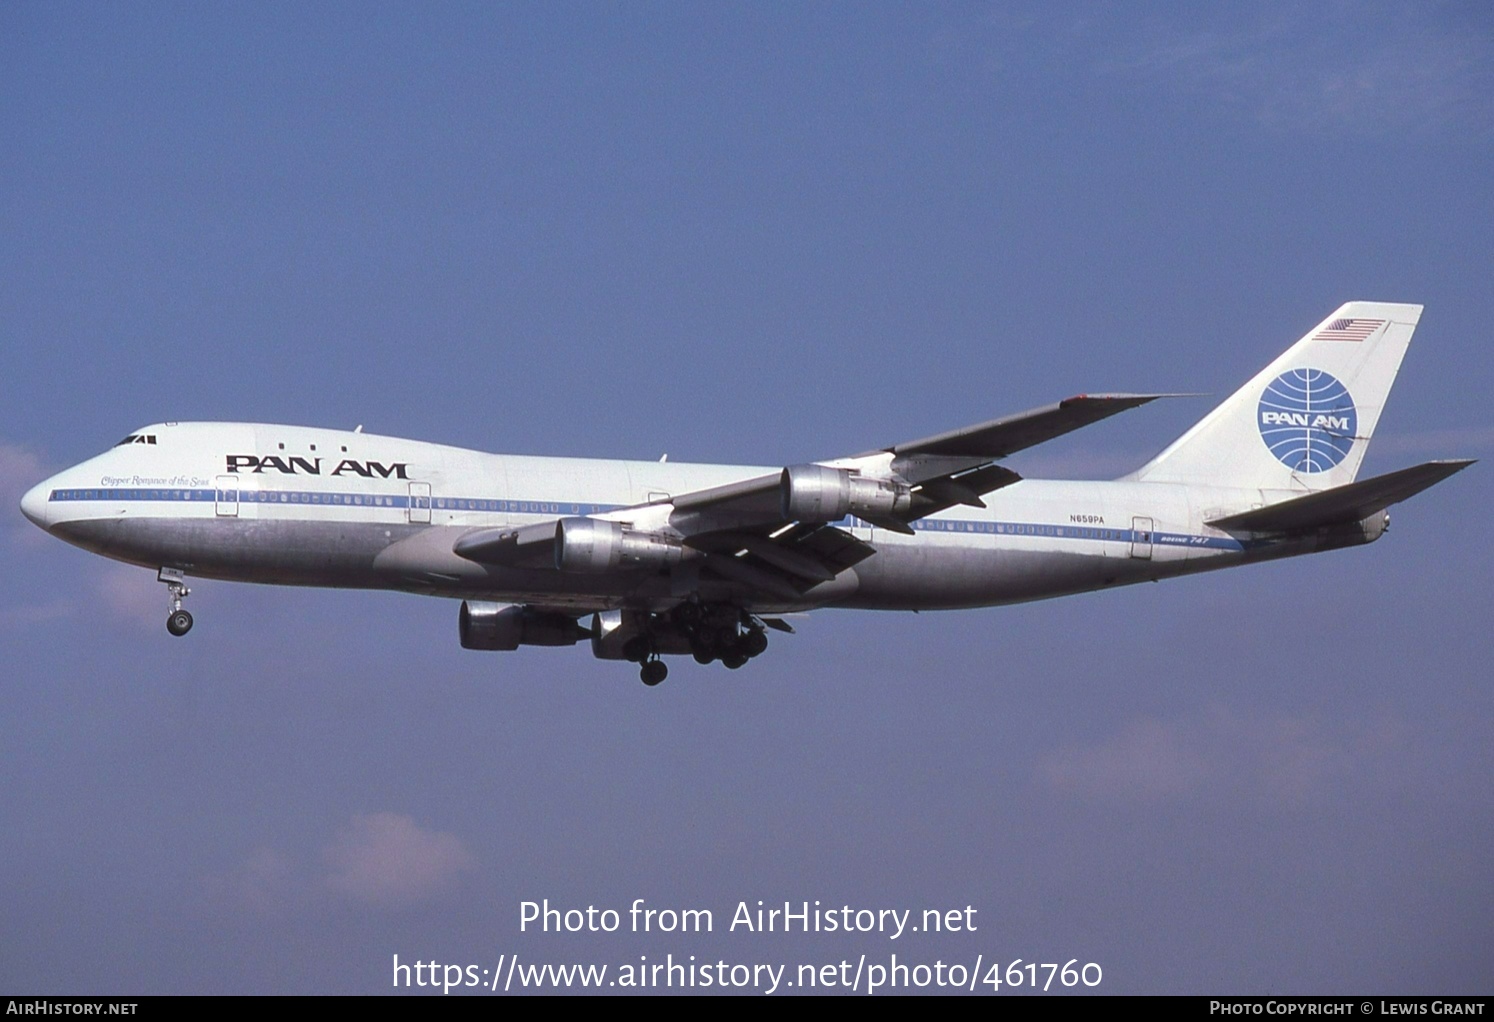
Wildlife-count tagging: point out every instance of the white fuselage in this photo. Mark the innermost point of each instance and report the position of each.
(305, 506)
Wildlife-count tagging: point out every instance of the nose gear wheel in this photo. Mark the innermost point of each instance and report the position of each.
(178, 621)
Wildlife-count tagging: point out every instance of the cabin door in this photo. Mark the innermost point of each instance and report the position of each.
(420, 503)
(1141, 538)
(227, 497)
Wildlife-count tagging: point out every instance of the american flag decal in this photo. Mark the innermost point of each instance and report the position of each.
(1348, 330)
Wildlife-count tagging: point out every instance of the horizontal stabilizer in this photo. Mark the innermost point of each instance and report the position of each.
(1353, 502)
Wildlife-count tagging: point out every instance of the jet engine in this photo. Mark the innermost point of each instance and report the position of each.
(634, 635)
(509, 626)
(815, 493)
(590, 545)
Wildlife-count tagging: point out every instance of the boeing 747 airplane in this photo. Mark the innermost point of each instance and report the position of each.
(645, 559)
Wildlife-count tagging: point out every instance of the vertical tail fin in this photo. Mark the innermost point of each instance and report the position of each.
(1305, 420)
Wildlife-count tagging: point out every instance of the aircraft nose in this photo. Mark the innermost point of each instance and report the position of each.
(34, 503)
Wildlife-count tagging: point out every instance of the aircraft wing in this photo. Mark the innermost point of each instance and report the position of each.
(1353, 502)
(958, 466)
(784, 563)
(775, 533)
(1000, 438)
(752, 532)
(954, 467)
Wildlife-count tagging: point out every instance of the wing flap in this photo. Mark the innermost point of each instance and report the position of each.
(736, 569)
(788, 564)
(836, 548)
(934, 495)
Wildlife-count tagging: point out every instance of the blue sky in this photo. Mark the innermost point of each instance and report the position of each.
(743, 233)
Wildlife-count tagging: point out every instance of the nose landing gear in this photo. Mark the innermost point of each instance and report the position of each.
(179, 622)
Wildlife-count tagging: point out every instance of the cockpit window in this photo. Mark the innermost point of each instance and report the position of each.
(137, 438)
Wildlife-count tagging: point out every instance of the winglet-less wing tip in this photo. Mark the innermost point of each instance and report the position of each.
(999, 438)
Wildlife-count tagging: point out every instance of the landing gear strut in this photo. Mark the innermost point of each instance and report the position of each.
(723, 633)
(179, 622)
(710, 632)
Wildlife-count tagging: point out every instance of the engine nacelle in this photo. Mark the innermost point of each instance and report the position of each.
(814, 493)
(590, 545)
(617, 635)
(509, 626)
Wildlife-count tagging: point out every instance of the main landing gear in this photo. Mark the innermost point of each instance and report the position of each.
(179, 622)
(709, 632)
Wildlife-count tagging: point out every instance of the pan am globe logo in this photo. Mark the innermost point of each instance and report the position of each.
(1307, 419)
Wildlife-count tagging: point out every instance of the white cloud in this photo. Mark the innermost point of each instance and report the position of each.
(1438, 443)
(1366, 68)
(1311, 72)
(29, 614)
(20, 469)
(1148, 758)
(132, 594)
(1287, 760)
(387, 859)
